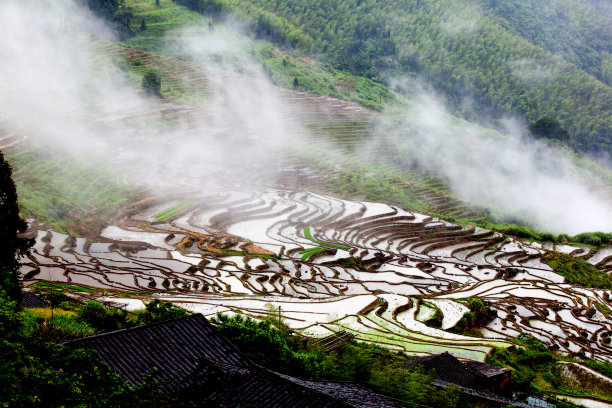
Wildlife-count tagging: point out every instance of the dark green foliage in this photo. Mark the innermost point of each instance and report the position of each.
(143, 25)
(478, 316)
(103, 8)
(460, 47)
(158, 311)
(267, 345)
(123, 20)
(584, 41)
(151, 82)
(549, 128)
(271, 344)
(102, 319)
(34, 373)
(577, 271)
(529, 360)
(11, 226)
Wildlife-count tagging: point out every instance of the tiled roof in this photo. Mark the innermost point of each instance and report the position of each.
(485, 369)
(31, 301)
(350, 393)
(484, 399)
(266, 389)
(176, 348)
(449, 368)
(193, 359)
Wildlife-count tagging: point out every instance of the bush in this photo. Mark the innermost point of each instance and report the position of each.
(151, 82)
(593, 238)
(158, 311)
(100, 318)
(577, 271)
(478, 316)
(528, 359)
(266, 344)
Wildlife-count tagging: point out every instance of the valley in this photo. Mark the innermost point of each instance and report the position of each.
(263, 182)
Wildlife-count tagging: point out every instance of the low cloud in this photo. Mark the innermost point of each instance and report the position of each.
(507, 171)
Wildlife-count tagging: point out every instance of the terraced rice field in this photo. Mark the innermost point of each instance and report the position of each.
(238, 242)
(377, 269)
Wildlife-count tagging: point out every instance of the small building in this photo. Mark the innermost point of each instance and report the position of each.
(466, 374)
(192, 359)
(487, 386)
(497, 379)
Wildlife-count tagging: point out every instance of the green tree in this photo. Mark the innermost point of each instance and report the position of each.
(14, 245)
(151, 82)
(157, 311)
(123, 19)
(102, 319)
(549, 128)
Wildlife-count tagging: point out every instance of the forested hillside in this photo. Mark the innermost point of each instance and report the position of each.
(577, 31)
(534, 59)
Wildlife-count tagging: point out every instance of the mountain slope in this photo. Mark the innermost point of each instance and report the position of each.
(461, 48)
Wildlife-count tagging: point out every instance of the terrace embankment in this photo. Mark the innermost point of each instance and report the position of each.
(241, 252)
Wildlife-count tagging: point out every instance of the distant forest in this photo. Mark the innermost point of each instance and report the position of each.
(533, 58)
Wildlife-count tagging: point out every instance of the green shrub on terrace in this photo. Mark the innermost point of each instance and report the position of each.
(268, 345)
(520, 231)
(603, 308)
(151, 82)
(577, 271)
(528, 361)
(102, 319)
(478, 316)
(158, 311)
(593, 238)
(274, 346)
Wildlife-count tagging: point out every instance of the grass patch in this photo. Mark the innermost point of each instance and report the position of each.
(603, 308)
(64, 193)
(63, 326)
(577, 271)
(307, 253)
(64, 286)
(309, 236)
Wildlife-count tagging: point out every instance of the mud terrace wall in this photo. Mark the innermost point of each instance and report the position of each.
(323, 260)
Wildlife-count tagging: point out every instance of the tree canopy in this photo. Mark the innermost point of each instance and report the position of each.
(11, 227)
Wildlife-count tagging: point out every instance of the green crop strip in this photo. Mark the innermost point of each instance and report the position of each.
(309, 236)
(64, 286)
(308, 252)
(180, 207)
